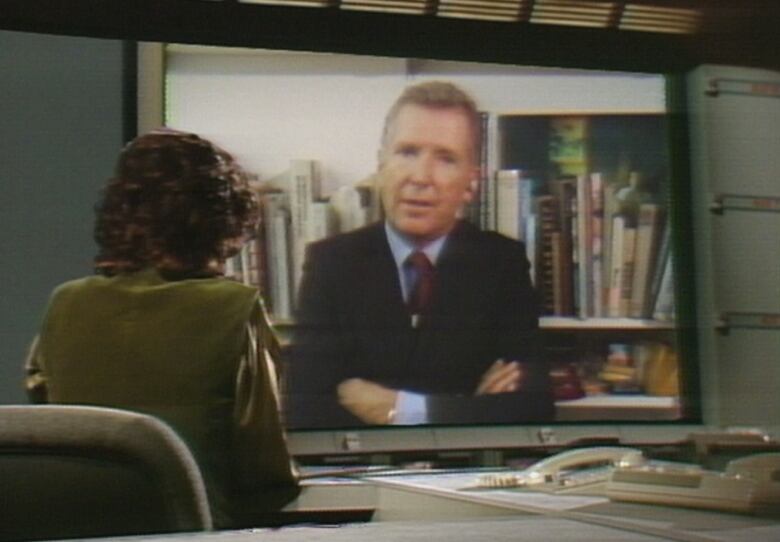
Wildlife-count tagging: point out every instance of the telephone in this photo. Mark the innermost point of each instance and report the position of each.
(579, 471)
(749, 484)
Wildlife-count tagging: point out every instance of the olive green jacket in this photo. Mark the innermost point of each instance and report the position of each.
(196, 353)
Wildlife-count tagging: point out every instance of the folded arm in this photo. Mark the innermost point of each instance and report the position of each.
(379, 405)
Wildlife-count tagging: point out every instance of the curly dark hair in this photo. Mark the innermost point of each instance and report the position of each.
(177, 203)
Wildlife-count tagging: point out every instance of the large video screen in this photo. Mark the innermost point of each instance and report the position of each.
(547, 293)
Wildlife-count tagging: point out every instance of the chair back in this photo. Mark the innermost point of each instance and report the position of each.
(70, 471)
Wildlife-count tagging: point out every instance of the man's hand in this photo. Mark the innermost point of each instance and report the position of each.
(372, 403)
(501, 377)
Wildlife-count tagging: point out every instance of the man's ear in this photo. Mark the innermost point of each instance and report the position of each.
(472, 188)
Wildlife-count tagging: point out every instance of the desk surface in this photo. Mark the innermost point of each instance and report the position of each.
(532, 529)
(659, 522)
(429, 499)
(430, 508)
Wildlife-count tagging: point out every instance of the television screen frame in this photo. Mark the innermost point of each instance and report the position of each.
(480, 444)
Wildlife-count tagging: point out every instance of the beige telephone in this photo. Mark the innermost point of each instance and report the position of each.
(749, 484)
(579, 471)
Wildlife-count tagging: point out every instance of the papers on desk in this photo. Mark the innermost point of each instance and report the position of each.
(450, 484)
(316, 475)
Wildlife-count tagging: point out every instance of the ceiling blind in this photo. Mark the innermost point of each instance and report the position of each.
(658, 16)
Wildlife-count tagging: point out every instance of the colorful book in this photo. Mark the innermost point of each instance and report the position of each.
(568, 145)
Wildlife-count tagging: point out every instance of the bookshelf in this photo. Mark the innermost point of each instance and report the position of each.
(592, 203)
(591, 192)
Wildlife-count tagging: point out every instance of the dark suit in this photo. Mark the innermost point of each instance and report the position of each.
(353, 323)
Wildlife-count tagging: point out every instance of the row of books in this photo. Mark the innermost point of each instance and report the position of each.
(597, 249)
(293, 214)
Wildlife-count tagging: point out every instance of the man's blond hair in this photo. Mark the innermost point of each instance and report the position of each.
(435, 95)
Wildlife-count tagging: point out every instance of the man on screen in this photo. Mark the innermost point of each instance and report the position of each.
(421, 318)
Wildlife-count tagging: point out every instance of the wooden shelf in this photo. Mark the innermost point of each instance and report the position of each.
(564, 323)
(573, 323)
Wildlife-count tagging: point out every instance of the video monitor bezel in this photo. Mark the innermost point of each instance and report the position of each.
(432, 440)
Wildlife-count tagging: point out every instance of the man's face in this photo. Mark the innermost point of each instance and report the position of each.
(427, 170)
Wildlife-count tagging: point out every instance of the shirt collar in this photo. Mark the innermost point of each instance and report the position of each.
(401, 247)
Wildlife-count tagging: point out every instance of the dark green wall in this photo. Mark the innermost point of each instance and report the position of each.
(60, 131)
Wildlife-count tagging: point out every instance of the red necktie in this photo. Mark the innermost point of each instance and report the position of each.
(422, 291)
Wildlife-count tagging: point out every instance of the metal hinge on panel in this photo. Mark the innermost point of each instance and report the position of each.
(741, 202)
(743, 87)
(748, 320)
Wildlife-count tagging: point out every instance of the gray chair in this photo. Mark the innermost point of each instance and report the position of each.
(71, 471)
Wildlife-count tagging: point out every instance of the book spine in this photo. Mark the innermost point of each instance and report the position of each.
(575, 255)
(584, 247)
(547, 225)
(648, 227)
(282, 287)
(610, 210)
(664, 304)
(558, 287)
(629, 253)
(565, 190)
(616, 265)
(664, 250)
(531, 240)
(349, 209)
(508, 215)
(474, 211)
(489, 165)
(277, 254)
(596, 225)
(320, 223)
(304, 190)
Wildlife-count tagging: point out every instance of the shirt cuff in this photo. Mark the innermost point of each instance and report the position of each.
(410, 409)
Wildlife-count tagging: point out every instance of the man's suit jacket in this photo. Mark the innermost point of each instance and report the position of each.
(352, 322)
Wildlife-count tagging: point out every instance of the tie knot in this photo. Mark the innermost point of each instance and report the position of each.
(421, 263)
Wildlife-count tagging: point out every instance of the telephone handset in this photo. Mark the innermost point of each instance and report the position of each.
(749, 484)
(583, 470)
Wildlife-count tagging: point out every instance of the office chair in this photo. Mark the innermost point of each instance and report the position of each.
(71, 471)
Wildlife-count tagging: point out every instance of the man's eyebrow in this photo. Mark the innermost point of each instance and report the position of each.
(405, 144)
